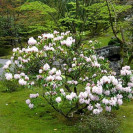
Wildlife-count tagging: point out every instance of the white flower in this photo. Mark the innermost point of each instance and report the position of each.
(90, 41)
(22, 74)
(126, 68)
(97, 89)
(75, 82)
(131, 79)
(58, 73)
(62, 90)
(130, 84)
(87, 89)
(63, 42)
(40, 70)
(96, 111)
(56, 32)
(28, 101)
(34, 95)
(83, 95)
(90, 107)
(120, 102)
(31, 106)
(32, 41)
(81, 101)
(105, 101)
(127, 89)
(34, 49)
(5, 66)
(59, 78)
(17, 76)
(73, 95)
(125, 71)
(52, 71)
(88, 59)
(119, 96)
(119, 87)
(101, 57)
(49, 36)
(39, 37)
(58, 99)
(14, 50)
(74, 59)
(20, 58)
(107, 92)
(108, 108)
(73, 65)
(112, 102)
(98, 105)
(32, 83)
(69, 97)
(87, 101)
(8, 62)
(22, 82)
(26, 78)
(68, 42)
(8, 76)
(46, 67)
(50, 78)
(69, 82)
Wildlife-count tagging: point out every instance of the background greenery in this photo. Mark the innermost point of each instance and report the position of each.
(86, 19)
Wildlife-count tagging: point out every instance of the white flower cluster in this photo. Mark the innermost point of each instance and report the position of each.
(53, 74)
(93, 95)
(32, 41)
(22, 78)
(72, 82)
(126, 70)
(28, 101)
(103, 92)
(8, 76)
(8, 63)
(68, 42)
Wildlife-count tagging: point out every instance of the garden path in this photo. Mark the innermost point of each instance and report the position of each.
(2, 61)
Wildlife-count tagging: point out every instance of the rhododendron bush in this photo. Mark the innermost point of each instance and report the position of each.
(72, 80)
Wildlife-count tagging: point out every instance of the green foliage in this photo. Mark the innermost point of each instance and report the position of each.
(99, 124)
(37, 6)
(38, 18)
(114, 41)
(4, 51)
(9, 86)
(90, 17)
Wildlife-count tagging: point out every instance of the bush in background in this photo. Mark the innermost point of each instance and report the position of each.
(114, 42)
(99, 124)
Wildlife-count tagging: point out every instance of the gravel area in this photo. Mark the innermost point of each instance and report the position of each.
(2, 61)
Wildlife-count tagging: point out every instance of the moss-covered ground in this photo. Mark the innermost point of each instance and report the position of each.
(16, 117)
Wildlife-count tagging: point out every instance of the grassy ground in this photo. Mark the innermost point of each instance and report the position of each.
(126, 115)
(5, 57)
(16, 117)
(103, 40)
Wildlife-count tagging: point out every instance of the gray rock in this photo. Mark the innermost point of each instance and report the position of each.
(2, 61)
